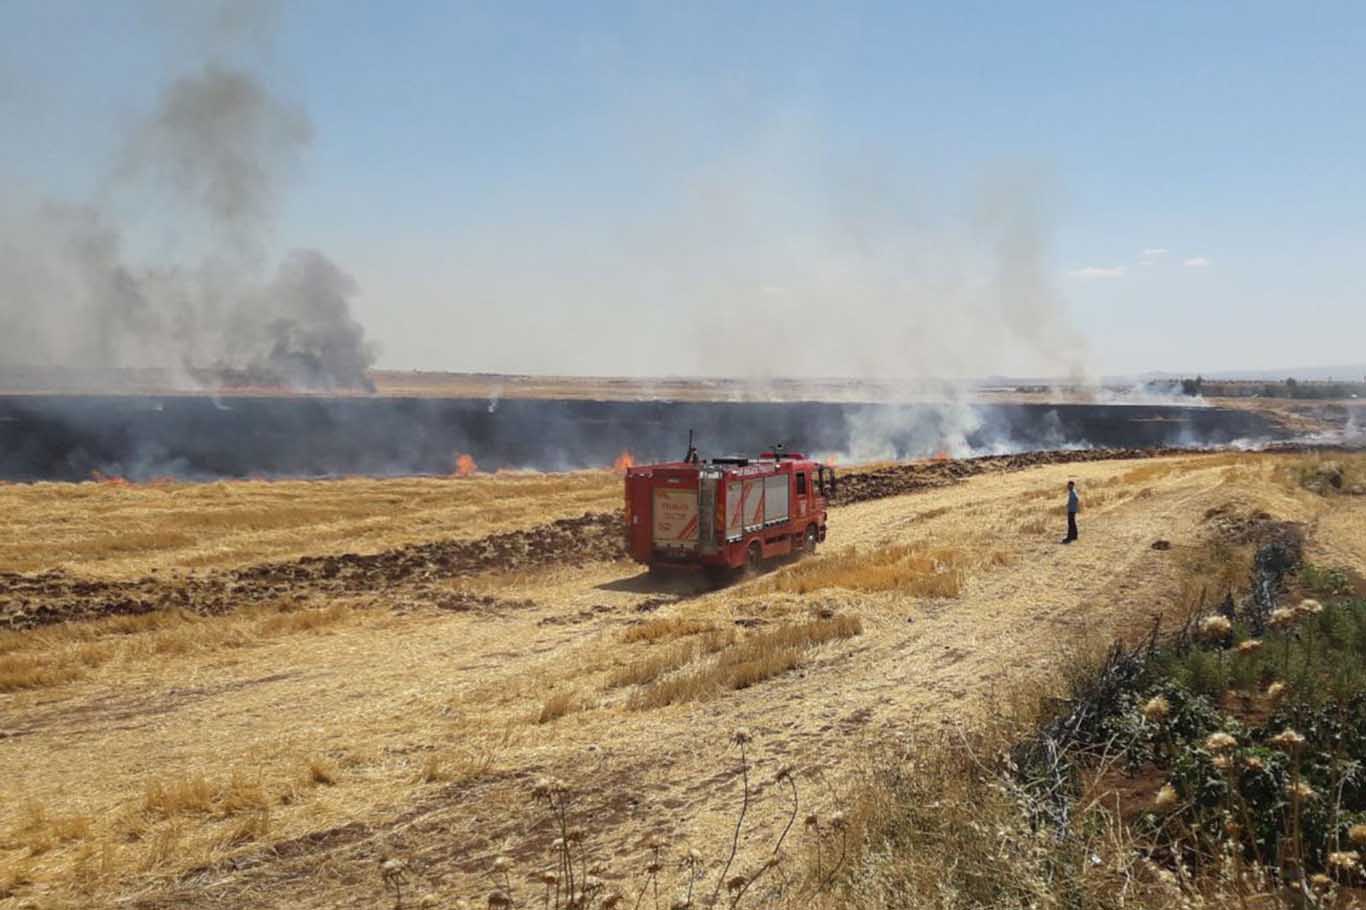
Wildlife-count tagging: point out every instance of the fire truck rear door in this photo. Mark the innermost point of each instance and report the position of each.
(675, 518)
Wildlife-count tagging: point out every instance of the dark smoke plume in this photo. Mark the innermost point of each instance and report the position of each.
(221, 147)
(208, 165)
(303, 330)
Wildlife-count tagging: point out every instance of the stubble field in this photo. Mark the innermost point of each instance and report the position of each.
(269, 689)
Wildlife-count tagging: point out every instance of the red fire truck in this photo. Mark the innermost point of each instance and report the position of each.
(725, 513)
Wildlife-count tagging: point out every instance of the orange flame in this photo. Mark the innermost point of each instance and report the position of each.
(624, 460)
(465, 466)
(110, 479)
(941, 455)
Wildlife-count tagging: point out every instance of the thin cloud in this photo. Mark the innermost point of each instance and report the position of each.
(1154, 252)
(1097, 271)
(1196, 262)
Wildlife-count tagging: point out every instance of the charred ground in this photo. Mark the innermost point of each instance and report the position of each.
(62, 437)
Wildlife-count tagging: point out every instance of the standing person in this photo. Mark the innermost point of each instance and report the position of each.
(1073, 505)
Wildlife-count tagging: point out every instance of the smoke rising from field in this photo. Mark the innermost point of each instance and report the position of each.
(775, 263)
(783, 254)
(774, 249)
(194, 437)
(202, 175)
(220, 148)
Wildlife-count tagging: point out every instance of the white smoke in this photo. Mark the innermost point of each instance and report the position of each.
(1145, 394)
(1354, 431)
(890, 434)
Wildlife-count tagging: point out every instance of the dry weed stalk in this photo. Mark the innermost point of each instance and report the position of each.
(575, 883)
(393, 871)
(741, 739)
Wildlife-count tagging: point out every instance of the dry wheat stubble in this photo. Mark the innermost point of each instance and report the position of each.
(394, 708)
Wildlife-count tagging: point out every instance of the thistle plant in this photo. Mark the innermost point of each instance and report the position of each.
(1157, 710)
(569, 879)
(784, 775)
(502, 873)
(1345, 865)
(1298, 793)
(1166, 798)
(575, 883)
(652, 869)
(741, 738)
(393, 871)
(1238, 817)
(692, 868)
(1309, 609)
(1215, 629)
(1282, 619)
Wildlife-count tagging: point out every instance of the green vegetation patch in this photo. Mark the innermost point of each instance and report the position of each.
(1240, 743)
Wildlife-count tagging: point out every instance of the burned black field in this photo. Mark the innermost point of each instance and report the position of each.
(70, 437)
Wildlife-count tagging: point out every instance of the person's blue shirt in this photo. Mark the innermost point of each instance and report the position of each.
(1073, 501)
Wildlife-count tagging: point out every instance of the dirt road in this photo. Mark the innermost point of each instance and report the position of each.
(428, 717)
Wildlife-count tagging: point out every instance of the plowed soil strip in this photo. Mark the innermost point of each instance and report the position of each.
(900, 479)
(27, 601)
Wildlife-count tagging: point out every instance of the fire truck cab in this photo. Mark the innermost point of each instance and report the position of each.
(725, 513)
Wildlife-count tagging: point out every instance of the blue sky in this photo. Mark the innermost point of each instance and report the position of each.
(600, 187)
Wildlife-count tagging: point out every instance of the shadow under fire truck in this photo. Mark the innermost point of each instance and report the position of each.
(726, 513)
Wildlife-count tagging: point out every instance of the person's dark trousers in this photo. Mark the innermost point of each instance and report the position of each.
(1071, 525)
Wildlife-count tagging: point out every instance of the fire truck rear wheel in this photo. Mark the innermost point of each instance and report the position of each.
(809, 541)
(754, 557)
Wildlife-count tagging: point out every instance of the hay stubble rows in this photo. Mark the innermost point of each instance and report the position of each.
(268, 754)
